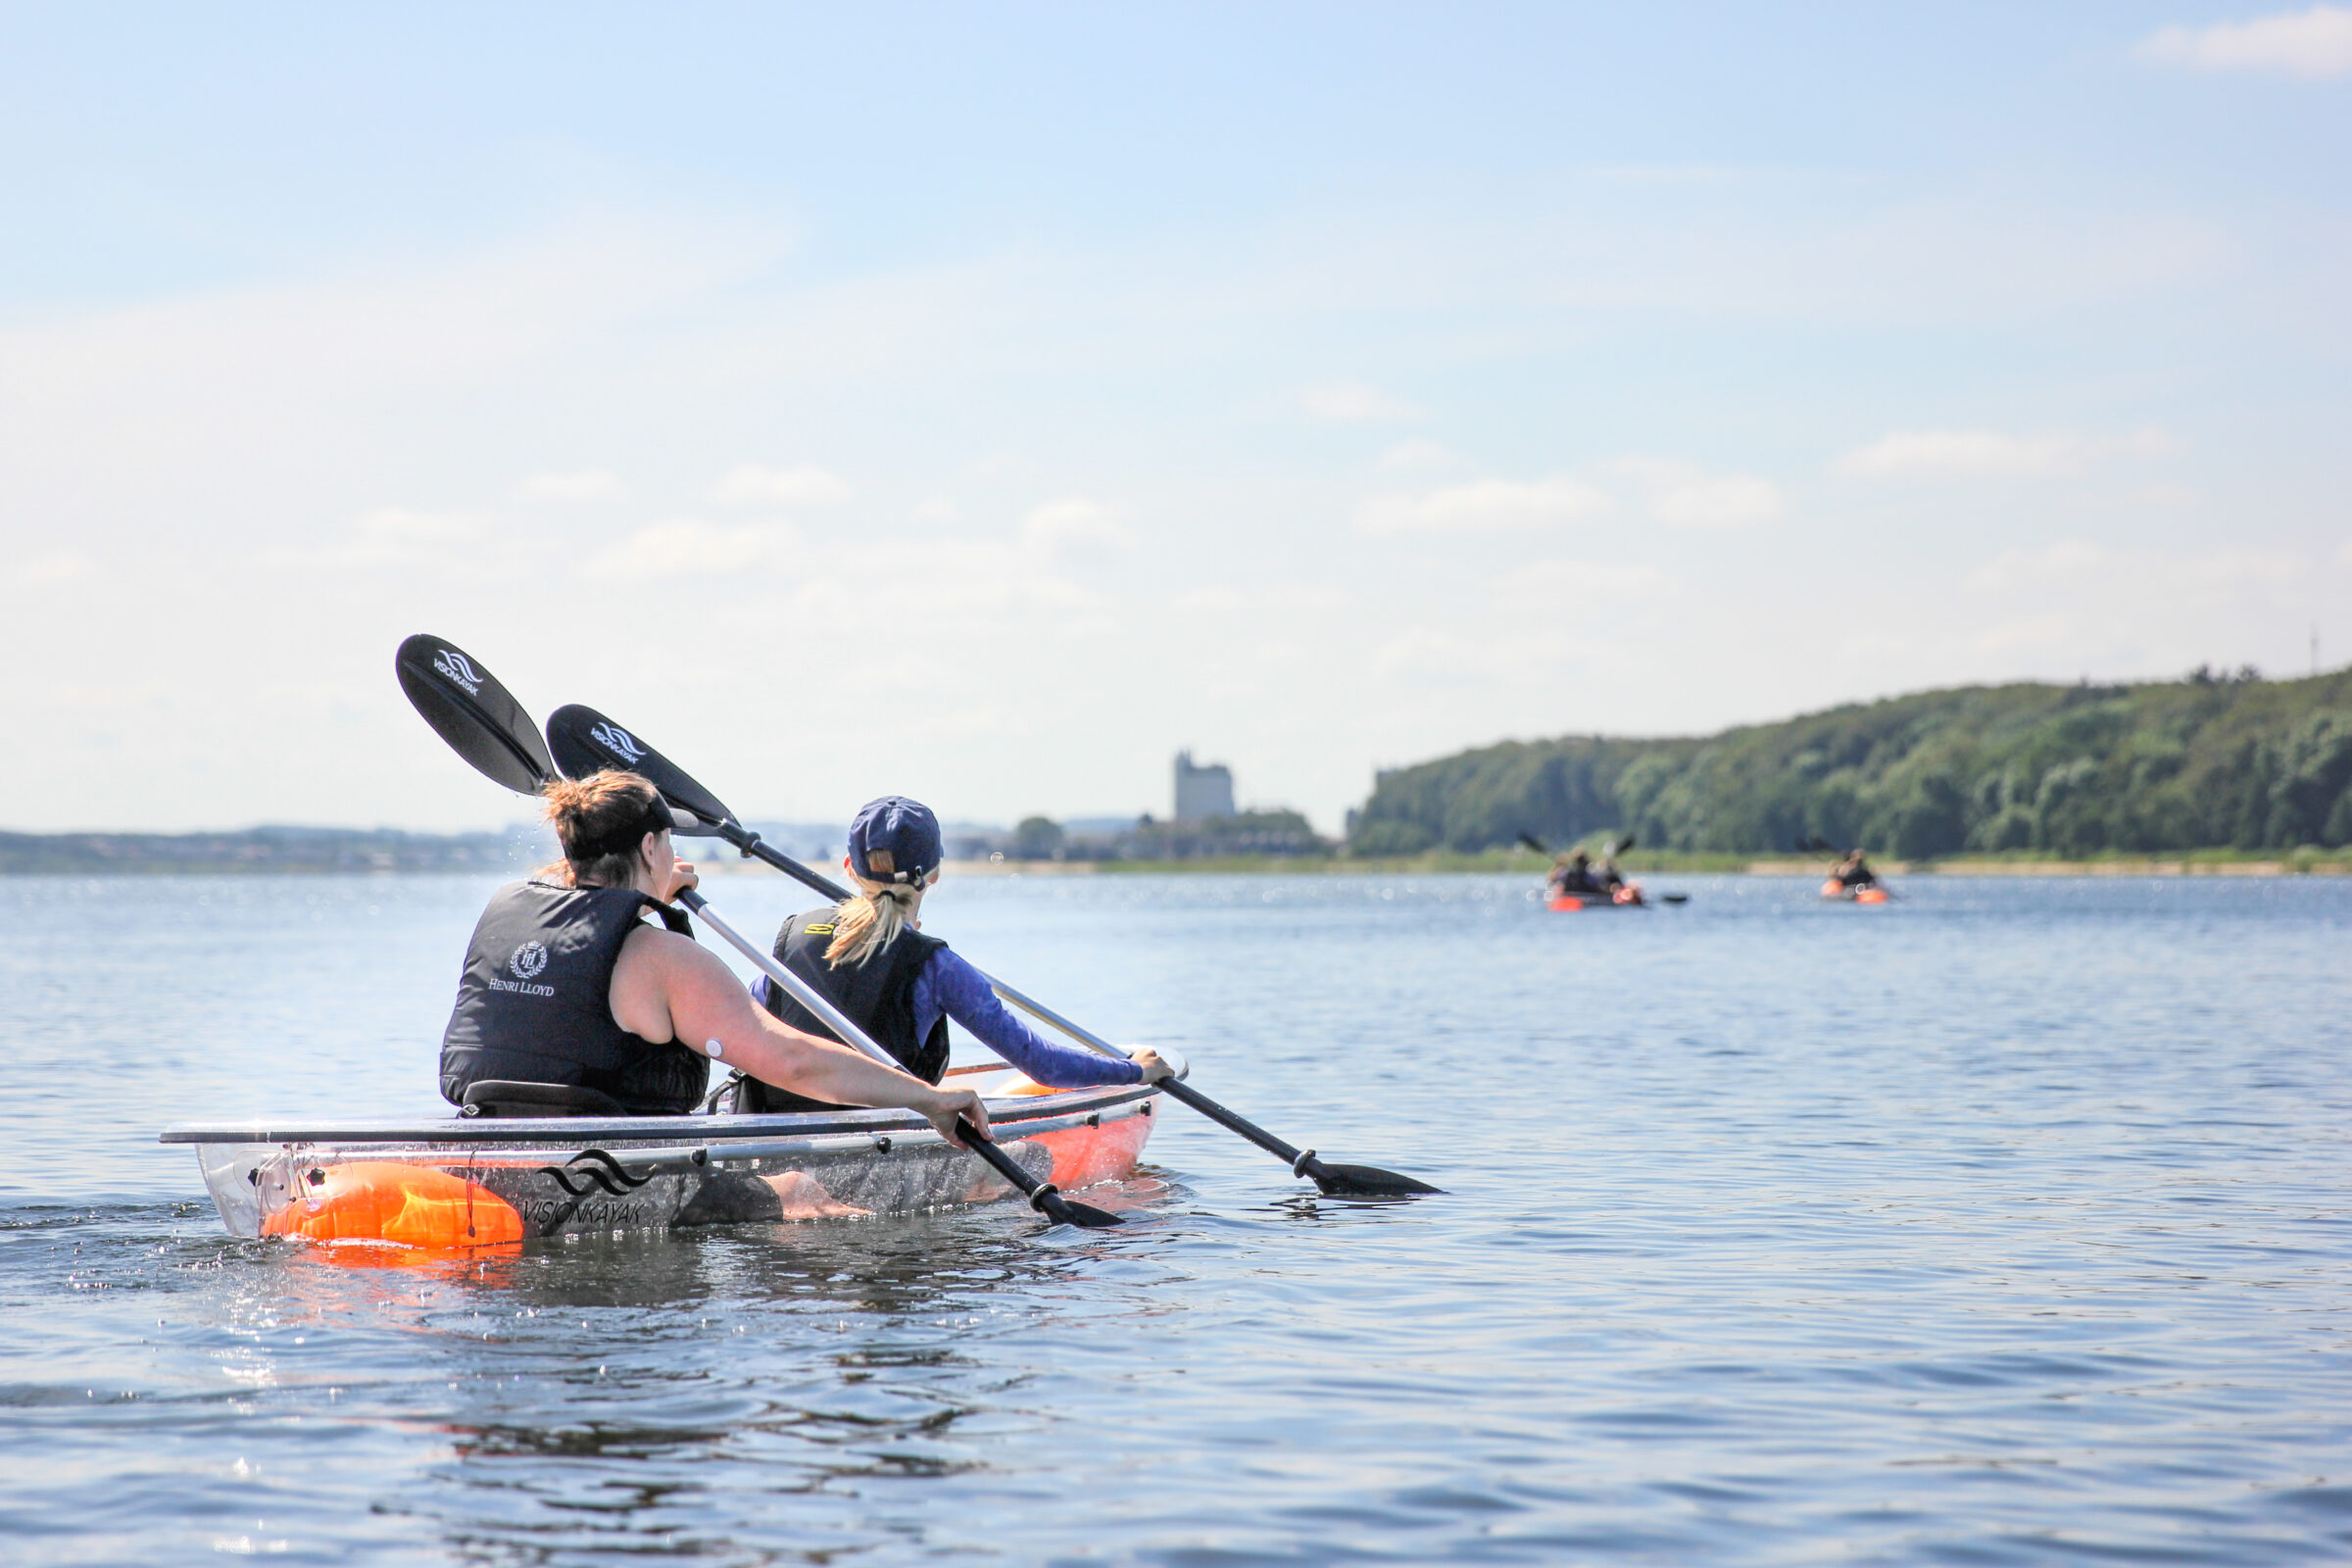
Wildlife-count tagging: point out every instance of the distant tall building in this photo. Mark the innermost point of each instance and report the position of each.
(1202, 794)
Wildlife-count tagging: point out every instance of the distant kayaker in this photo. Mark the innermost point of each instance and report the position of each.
(565, 983)
(1854, 873)
(1572, 874)
(870, 959)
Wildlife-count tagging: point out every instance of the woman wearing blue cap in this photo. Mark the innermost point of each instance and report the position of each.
(870, 961)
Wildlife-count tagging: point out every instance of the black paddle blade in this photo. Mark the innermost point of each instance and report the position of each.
(1674, 898)
(1364, 1180)
(586, 742)
(468, 708)
(1069, 1211)
(1534, 843)
(1623, 845)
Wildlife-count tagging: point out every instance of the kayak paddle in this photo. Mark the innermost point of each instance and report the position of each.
(482, 722)
(583, 739)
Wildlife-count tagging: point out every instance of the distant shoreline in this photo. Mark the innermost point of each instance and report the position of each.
(2204, 862)
(517, 853)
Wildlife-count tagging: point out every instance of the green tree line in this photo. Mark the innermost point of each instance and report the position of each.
(2211, 761)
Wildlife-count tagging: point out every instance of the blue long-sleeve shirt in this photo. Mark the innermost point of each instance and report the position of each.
(949, 985)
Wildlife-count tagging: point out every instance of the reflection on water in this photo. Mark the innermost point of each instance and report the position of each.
(2008, 1224)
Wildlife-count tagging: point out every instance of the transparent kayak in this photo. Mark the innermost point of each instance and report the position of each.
(473, 1182)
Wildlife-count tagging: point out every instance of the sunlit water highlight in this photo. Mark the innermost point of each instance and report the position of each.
(2004, 1224)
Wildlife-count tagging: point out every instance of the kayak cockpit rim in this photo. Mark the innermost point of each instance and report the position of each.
(1018, 1115)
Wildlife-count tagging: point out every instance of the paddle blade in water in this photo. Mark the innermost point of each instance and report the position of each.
(468, 708)
(1365, 1181)
(1070, 1211)
(586, 742)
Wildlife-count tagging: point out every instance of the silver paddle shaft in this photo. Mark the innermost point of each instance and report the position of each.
(1039, 1010)
(800, 990)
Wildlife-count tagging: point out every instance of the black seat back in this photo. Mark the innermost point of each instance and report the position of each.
(505, 1097)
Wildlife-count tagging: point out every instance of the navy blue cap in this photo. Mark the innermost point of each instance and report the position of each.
(902, 830)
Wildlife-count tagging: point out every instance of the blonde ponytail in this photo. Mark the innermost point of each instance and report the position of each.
(871, 920)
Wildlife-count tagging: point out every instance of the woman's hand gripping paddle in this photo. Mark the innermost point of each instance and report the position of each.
(482, 722)
(584, 739)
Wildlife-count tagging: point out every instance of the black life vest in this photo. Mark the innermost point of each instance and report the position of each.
(878, 995)
(535, 1002)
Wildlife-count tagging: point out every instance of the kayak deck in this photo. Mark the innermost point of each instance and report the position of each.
(469, 1182)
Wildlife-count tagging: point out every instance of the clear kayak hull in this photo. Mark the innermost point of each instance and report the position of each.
(489, 1182)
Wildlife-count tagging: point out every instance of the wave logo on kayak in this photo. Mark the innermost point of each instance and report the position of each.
(459, 670)
(619, 742)
(595, 1168)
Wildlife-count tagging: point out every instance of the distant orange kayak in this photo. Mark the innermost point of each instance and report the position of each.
(1628, 896)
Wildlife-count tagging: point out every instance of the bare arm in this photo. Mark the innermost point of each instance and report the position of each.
(666, 988)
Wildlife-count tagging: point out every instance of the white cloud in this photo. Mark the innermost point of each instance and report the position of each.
(2151, 575)
(2014, 566)
(1411, 457)
(1353, 403)
(589, 485)
(2031, 631)
(51, 567)
(1558, 583)
(1073, 523)
(685, 545)
(1682, 495)
(1488, 506)
(1963, 454)
(750, 485)
(399, 526)
(1262, 599)
(2314, 44)
(1519, 657)
(392, 537)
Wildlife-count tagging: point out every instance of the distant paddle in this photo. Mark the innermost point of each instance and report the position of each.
(582, 738)
(482, 722)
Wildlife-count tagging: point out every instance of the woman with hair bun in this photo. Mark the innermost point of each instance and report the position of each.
(566, 983)
(869, 957)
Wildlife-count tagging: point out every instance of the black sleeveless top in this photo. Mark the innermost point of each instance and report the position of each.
(878, 995)
(535, 1003)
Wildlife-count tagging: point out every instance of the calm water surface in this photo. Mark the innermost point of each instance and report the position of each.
(2008, 1223)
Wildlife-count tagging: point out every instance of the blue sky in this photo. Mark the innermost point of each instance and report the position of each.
(982, 403)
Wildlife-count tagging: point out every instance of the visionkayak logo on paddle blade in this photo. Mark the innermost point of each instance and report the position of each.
(619, 742)
(457, 668)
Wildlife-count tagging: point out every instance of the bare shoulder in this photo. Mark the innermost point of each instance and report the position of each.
(654, 948)
(673, 961)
